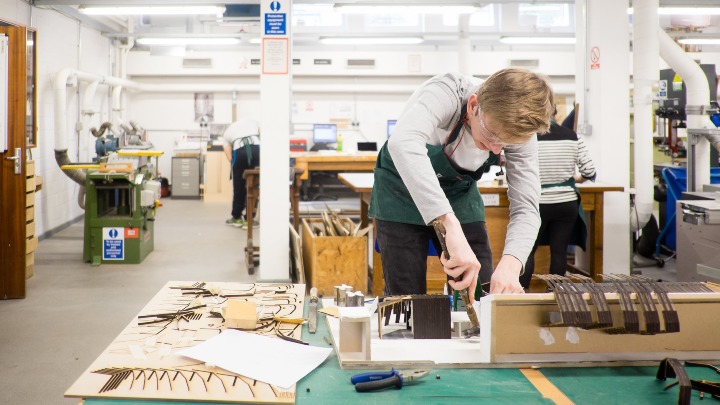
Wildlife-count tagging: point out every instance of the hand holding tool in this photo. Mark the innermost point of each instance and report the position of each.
(380, 380)
(475, 330)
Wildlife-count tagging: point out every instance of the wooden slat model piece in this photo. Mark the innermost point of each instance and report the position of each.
(140, 363)
(635, 332)
(574, 309)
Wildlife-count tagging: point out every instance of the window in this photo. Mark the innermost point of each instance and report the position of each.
(483, 18)
(315, 15)
(544, 15)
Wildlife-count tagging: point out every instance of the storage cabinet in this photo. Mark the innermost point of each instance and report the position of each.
(186, 177)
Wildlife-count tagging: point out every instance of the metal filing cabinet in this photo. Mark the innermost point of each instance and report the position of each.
(698, 240)
(186, 177)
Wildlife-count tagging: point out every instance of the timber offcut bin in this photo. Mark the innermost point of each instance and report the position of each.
(334, 260)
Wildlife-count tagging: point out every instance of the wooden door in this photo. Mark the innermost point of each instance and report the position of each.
(12, 184)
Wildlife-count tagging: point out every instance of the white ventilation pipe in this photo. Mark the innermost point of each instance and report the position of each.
(698, 94)
(117, 117)
(88, 97)
(646, 71)
(60, 100)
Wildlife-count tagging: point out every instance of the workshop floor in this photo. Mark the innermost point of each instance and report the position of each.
(73, 310)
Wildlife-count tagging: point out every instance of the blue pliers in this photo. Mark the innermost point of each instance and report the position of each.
(385, 379)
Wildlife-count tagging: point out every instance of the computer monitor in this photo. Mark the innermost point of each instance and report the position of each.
(390, 127)
(324, 134)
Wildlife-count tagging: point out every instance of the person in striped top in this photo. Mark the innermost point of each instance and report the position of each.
(560, 152)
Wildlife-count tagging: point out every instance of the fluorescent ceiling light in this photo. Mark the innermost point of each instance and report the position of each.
(371, 40)
(684, 11)
(254, 40)
(699, 41)
(152, 10)
(187, 41)
(538, 40)
(400, 9)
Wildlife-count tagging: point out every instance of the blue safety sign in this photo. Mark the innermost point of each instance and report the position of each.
(275, 23)
(275, 6)
(662, 89)
(113, 244)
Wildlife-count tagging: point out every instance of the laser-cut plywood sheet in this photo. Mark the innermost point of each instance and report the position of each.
(141, 362)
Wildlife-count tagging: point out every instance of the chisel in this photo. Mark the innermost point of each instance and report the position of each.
(312, 322)
(475, 330)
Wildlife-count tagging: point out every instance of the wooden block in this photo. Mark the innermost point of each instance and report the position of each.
(334, 260)
(240, 314)
(29, 265)
(38, 183)
(29, 168)
(30, 199)
(31, 245)
(30, 229)
(29, 214)
(30, 184)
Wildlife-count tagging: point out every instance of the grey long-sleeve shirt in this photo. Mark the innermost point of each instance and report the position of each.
(428, 118)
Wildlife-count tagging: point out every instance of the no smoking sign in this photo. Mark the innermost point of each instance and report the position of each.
(595, 58)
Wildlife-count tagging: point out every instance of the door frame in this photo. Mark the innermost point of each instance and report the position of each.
(13, 186)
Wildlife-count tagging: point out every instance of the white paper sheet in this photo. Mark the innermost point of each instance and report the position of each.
(270, 360)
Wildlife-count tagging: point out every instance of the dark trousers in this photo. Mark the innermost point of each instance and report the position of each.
(558, 221)
(404, 249)
(239, 188)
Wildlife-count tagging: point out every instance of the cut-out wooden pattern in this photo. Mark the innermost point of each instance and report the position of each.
(140, 363)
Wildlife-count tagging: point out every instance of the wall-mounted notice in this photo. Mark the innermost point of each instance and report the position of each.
(275, 56)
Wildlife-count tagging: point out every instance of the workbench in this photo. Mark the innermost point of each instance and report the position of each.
(328, 384)
(497, 215)
(334, 161)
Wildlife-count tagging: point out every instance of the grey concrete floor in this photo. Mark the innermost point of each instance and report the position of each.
(74, 310)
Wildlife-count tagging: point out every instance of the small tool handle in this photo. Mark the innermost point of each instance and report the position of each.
(394, 381)
(374, 376)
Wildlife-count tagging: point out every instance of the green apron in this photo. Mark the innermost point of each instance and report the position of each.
(391, 201)
(244, 141)
(579, 233)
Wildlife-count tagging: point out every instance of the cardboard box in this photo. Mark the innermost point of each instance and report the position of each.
(334, 260)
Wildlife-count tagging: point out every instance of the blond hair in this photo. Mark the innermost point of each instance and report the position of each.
(520, 102)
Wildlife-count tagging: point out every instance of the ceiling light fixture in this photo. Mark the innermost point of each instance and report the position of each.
(180, 41)
(404, 9)
(371, 40)
(684, 11)
(699, 41)
(538, 40)
(152, 10)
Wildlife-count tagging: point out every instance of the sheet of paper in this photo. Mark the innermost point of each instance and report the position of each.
(270, 360)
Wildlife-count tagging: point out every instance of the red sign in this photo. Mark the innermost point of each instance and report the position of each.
(132, 233)
(595, 58)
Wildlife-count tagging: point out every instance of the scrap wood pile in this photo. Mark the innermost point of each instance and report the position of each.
(334, 225)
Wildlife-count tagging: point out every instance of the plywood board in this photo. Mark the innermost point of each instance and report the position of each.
(141, 362)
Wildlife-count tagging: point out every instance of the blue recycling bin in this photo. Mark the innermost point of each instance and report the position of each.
(676, 180)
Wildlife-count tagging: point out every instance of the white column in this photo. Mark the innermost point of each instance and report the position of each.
(604, 59)
(646, 73)
(275, 81)
(464, 45)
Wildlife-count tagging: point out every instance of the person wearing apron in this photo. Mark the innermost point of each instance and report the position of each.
(449, 134)
(241, 144)
(560, 151)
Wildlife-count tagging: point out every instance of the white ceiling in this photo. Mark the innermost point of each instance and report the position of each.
(435, 31)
